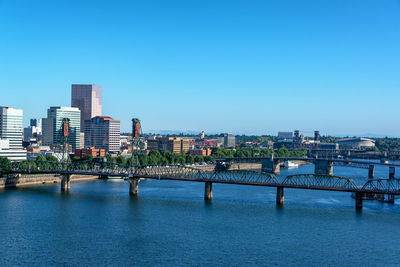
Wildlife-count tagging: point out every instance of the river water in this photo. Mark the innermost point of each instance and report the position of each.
(169, 224)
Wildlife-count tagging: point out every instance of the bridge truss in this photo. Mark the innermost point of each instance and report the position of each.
(320, 182)
(184, 173)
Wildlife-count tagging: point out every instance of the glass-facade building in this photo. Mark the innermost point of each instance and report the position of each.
(52, 126)
(11, 126)
(86, 97)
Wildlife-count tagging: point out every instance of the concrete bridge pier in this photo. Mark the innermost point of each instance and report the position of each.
(323, 167)
(280, 198)
(208, 191)
(271, 165)
(65, 182)
(371, 171)
(392, 172)
(359, 201)
(133, 187)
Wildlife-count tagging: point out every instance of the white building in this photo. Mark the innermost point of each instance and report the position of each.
(11, 154)
(11, 134)
(11, 126)
(356, 143)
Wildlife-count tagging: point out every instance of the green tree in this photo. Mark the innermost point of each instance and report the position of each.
(282, 152)
(121, 160)
(51, 158)
(208, 159)
(87, 158)
(198, 159)
(40, 158)
(152, 160)
(143, 159)
(189, 159)
(5, 166)
(110, 159)
(163, 161)
(180, 159)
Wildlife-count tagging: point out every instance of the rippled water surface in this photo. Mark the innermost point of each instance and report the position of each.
(97, 223)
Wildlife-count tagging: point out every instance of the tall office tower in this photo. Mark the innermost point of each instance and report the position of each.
(103, 132)
(86, 97)
(11, 126)
(52, 126)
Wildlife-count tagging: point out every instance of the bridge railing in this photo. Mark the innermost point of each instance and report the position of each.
(245, 177)
(179, 172)
(320, 181)
(383, 185)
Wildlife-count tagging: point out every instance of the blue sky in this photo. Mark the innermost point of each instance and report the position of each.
(252, 67)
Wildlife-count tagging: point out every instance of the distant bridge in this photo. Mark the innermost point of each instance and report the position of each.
(322, 165)
(389, 187)
(308, 159)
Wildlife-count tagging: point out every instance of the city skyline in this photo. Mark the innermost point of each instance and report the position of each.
(252, 69)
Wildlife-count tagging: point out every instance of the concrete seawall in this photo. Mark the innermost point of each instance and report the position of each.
(27, 180)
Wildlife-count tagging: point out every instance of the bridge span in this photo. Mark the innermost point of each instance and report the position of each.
(323, 166)
(389, 187)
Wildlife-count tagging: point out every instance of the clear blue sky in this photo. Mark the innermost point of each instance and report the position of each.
(253, 67)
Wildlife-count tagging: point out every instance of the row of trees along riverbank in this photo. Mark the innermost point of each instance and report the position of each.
(166, 158)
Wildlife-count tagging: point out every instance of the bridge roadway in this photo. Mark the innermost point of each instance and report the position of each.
(390, 187)
(348, 161)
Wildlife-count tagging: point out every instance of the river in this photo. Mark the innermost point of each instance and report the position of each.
(169, 224)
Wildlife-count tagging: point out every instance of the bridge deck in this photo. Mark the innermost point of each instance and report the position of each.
(252, 178)
(259, 159)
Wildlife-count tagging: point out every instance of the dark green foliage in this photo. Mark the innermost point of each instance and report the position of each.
(5, 166)
(198, 159)
(87, 158)
(121, 160)
(40, 158)
(51, 158)
(189, 159)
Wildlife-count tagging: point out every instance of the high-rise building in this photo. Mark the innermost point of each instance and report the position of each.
(103, 132)
(11, 126)
(36, 123)
(86, 97)
(52, 126)
(11, 134)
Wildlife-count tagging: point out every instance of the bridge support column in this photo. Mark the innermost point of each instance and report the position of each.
(65, 182)
(323, 167)
(392, 172)
(359, 201)
(371, 171)
(271, 165)
(279, 196)
(208, 191)
(133, 187)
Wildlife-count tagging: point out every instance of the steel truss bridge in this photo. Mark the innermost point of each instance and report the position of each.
(335, 161)
(389, 187)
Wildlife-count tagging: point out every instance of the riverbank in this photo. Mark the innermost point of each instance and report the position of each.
(26, 180)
